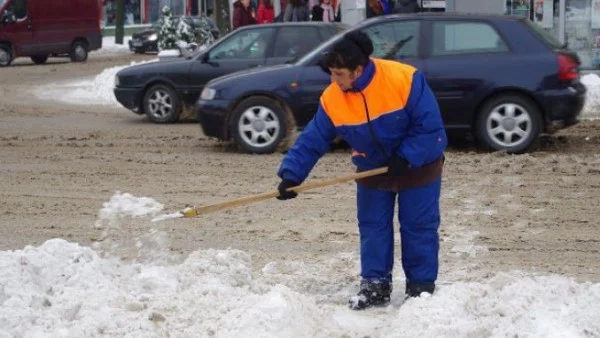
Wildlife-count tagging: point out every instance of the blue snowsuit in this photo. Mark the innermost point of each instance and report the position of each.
(405, 118)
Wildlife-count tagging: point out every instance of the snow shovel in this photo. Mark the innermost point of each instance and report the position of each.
(204, 209)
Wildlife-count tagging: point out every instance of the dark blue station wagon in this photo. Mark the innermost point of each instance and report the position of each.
(500, 78)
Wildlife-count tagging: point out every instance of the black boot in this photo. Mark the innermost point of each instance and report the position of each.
(414, 290)
(372, 293)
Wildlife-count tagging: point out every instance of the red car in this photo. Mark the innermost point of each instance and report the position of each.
(42, 28)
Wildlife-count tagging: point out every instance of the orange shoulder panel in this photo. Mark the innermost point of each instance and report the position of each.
(387, 93)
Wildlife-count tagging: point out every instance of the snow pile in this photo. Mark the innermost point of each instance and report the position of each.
(109, 45)
(591, 109)
(96, 91)
(123, 205)
(169, 54)
(62, 289)
(120, 208)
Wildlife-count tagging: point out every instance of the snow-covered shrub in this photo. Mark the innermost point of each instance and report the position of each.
(176, 33)
(204, 33)
(185, 32)
(167, 30)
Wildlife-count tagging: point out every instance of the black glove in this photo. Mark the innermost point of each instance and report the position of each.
(397, 166)
(283, 193)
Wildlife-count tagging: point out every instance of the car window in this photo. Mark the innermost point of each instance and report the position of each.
(246, 44)
(315, 55)
(395, 40)
(540, 32)
(19, 9)
(455, 37)
(295, 41)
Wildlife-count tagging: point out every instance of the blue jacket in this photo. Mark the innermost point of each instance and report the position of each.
(404, 116)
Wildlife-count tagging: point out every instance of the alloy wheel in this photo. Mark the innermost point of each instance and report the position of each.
(259, 126)
(160, 104)
(509, 125)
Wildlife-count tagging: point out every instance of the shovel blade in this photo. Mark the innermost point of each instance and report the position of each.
(168, 216)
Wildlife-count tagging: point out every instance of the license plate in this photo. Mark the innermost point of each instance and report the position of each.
(137, 43)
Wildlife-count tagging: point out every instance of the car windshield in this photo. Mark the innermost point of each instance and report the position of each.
(340, 27)
(321, 49)
(2, 2)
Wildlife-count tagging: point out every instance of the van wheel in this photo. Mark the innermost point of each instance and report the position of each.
(258, 125)
(5, 56)
(509, 122)
(39, 59)
(79, 51)
(162, 104)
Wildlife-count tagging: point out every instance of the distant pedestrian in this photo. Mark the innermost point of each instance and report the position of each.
(242, 15)
(406, 6)
(266, 13)
(324, 11)
(295, 11)
(379, 7)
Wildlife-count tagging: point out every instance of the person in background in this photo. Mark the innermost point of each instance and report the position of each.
(241, 14)
(316, 14)
(324, 11)
(379, 7)
(296, 10)
(388, 114)
(266, 13)
(254, 8)
(406, 6)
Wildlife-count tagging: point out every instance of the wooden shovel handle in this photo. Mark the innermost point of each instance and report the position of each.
(204, 209)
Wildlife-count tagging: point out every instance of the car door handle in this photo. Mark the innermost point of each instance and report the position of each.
(255, 65)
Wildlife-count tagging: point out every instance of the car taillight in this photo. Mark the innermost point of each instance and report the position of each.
(568, 69)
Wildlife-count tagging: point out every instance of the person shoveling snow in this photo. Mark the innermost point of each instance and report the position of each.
(404, 130)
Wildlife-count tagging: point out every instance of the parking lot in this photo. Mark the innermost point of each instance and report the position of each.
(535, 212)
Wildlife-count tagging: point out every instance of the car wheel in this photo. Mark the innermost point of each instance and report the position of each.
(5, 56)
(509, 122)
(79, 51)
(258, 125)
(39, 59)
(162, 104)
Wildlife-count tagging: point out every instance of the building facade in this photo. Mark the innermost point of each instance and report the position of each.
(143, 12)
(574, 22)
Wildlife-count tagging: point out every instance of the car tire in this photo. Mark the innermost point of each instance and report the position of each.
(5, 56)
(39, 59)
(258, 125)
(509, 122)
(79, 51)
(162, 104)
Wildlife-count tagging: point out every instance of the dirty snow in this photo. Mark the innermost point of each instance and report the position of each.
(64, 289)
(90, 91)
(109, 45)
(591, 109)
(99, 90)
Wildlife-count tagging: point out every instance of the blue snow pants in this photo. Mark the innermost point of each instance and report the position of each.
(419, 217)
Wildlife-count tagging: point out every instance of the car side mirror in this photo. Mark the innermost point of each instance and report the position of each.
(206, 59)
